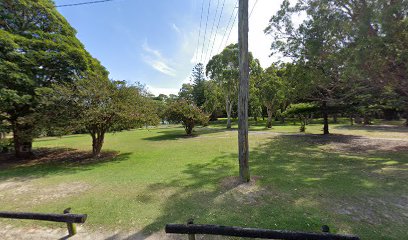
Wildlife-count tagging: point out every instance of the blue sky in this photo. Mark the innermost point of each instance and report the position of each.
(155, 41)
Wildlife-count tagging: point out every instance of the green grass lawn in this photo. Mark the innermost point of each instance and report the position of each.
(355, 185)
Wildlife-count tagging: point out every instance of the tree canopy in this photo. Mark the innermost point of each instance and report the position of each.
(99, 105)
(198, 79)
(223, 70)
(186, 113)
(38, 48)
(346, 52)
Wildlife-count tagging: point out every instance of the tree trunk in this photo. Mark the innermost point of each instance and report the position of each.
(351, 120)
(282, 120)
(325, 118)
(406, 122)
(189, 130)
(367, 120)
(22, 145)
(269, 120)
(308, 119)
(97, 143)
(17, 145)
(357, 119)
(189, 126)
(228, 108)
(303, 121)
(335, 118)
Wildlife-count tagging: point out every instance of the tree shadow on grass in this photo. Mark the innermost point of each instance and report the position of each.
(193, 196)
(375, 128)
(181, 134)
(53, 161)
(352, 144)
(329, 154)
(48, 139)
(300, 186)
(355, 180)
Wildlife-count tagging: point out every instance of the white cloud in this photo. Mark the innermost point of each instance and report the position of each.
(158, 90)
(259, 43)
(189, 53)
(155, 59)
(162, 67)
(187, 79)
(214, 41)
(175, 28)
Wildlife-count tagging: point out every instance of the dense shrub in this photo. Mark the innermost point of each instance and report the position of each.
(186, 113)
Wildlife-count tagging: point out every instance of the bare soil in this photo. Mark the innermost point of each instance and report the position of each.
(344, 143)
(245, 193)
(9, 232)
(28, 193)
(374, 210)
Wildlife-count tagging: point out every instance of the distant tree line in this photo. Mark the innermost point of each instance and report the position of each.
(347, 58)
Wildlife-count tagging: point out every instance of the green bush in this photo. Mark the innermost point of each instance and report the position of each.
(186, 113)
(301, 111)
(6, 145)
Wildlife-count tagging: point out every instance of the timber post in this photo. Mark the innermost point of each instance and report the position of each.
(191, 236)
(243, 95)
(325, 229)
(66, 217)
(70, 226)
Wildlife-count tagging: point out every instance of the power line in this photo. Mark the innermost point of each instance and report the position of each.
(253, 8)
(199, 31)
(205, 32)
(83, 3)
(232, 26)
(226, 29)
(218, 26)
(212, 30)
(235, 18)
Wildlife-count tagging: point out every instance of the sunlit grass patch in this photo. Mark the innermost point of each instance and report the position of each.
(159, 176)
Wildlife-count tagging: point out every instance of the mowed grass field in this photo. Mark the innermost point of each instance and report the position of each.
(354, 181)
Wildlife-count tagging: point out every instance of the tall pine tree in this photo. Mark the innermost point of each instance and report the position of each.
(198, 79)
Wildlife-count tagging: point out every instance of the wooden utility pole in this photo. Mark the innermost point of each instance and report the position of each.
(243, 95)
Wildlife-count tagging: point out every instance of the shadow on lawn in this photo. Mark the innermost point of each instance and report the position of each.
(51, 161)
(48, 139)
(181, 134)
(252, 124)
(299, 186)
(375, 128)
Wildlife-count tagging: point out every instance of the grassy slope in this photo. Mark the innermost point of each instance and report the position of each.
(162, 177)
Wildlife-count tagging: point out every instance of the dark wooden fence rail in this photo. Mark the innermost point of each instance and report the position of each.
(66, 217)
(192, 229)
